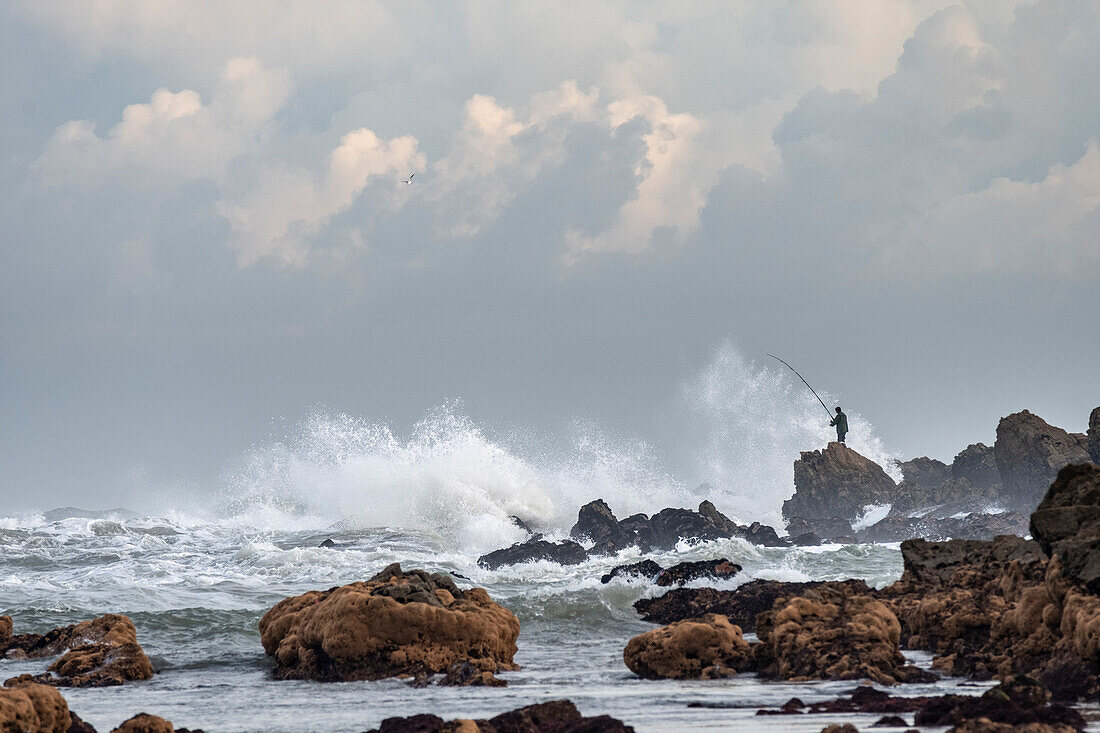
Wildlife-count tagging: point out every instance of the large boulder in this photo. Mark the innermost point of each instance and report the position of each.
(830, 634)
(101, 652)
(671, 525)
(555, 716)
(33, 708)
(1067, 523)
(928, 473)
(565, 552)
(1029, 453)
(685, 572)
(395, 624)
(977, 465)
(1094, 435)
(708, 647)
(145, 723)
(597, 523)
(836, 481)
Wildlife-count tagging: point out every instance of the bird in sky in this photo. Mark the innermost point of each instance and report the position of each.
(408, 180)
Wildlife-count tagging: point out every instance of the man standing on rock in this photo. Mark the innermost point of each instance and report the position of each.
(841, 423)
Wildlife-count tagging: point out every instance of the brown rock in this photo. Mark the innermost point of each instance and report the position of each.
(708, 647)
(33, 708)
(6, 628)
(836, 481)
(395, 624)
(101, 652)
(145, 723)
(1029, 453)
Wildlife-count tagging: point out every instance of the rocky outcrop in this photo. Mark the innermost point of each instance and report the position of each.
(646, 569)
(825, 527)
(101, 652)
(977, 466)
(1094, 435)
(973, 526)
(926, 473)
(596, 523)
(836, 481)
(556, 716)
(720, 569)
(1067, 523)
(395, 624)
(756, 533)
(33, 708)
(708, 647)
(1029, 453)
(145, 723)
(829, 634)
(565, 552)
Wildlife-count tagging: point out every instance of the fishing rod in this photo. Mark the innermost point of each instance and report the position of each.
(803, 380)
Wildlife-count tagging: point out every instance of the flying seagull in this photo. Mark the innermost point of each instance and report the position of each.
(408, 180)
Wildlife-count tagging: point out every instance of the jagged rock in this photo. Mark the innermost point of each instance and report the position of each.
(836, 481)
(1094, 435)
(555, 716)
(829, 634)
(741, 605)
(101, 652)
(565, 552)
(756, 533)
(708, 647)
(1067, 523)
(974, 526)
(827, 527)
(808, 539)
(396, 624)
(977, 465)
(327, 543)
(1029, 453)
(33, 708)
(671, 525)
(645, 569)
(925, 472)
(597, 523)
(1019, 701)
(521, 524)
(720, 569)
(145, 723)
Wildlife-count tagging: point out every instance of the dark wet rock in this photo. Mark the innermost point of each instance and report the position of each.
(102, 652)
(708, 647)
(645, 569)
(977, 466)
(76, 725)
(829, 633)
(671, 525)
(926, 473)
(1029, 453)
(741, 606)
(521, 524)
(464, 674)
(890, 721)
(1018, 701)
(720, 569)
(555, 716)
(808, 539)
(840, 728)
(836, 481)
(1067, 523)
(396, 624)
(847, 539)
(825, 526)
(565, 552)
(756, 533)
(597, 523)
(974, 526)
(327, 543)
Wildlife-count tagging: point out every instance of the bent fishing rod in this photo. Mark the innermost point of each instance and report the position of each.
(803, 381)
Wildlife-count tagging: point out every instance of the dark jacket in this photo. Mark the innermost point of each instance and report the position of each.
(841, 423)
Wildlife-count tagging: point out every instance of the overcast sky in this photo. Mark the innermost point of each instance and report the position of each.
(204, 230)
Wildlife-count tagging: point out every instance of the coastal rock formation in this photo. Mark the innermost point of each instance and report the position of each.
(1029, 453)
(645, 569)
(395, 624)
(973, 526)
(597, 523)
(826, 527)
(565, 552)
(707, 647)
(555, 716)
(1067, 523)
(98, 653)
(1094, 435)
(925, 473)
(34, 708)
(720, 569)
(145, 723)
(977, 466)
(827, 633)
(836, 481)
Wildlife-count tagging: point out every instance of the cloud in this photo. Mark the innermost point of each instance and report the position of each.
(174, 134)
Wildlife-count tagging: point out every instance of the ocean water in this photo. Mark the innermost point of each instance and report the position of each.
(196, 568)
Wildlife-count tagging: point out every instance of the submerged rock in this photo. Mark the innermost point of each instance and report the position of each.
(555, 716)
(708, 647)
(645, 569)
(1029, 453)
(565, 552)
(101, 652)
(395, 624)
(836, 481)
(720, 569)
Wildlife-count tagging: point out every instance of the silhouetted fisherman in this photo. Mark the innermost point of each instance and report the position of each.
(841, 423)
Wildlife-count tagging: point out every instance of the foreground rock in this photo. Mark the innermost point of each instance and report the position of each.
(837, 482)
(396, 624)
(708, 647)
(829, 634)
(1067, 523)
(1094, 435)
(33, 707)
(101, 652)
(556, 716)
(1029, 453)
(563, 553)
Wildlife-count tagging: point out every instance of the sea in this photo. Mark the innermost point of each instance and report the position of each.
(196, 566)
